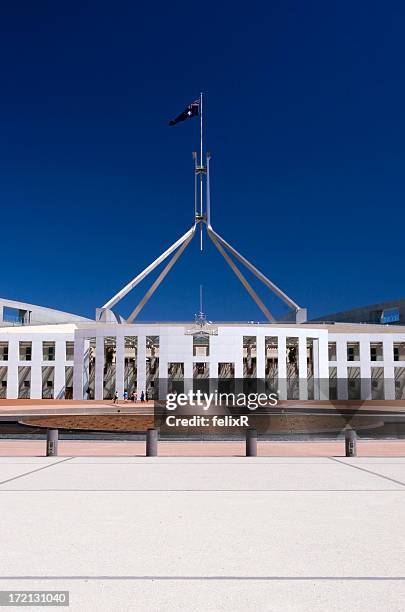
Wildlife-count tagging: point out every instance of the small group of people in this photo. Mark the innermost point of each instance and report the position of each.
(134, 397)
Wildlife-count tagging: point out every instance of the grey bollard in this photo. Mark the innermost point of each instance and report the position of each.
(51, 442)
(350, 443)
(151, 443)
(251, 442)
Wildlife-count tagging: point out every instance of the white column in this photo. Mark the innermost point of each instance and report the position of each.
(302, 368)
(163, 366)
(260, 358)
(315, 367)
(365, 369)
(341, 358)
(188, 374)
(36, 369)
(141, 366)
(119, 365)
(282, 367)
(59, 372)
(322, 367)
(213, 376)
(239, 358)
(389, 371)
(238, 348)
(99, 380)
(12, 369)
(78, 366)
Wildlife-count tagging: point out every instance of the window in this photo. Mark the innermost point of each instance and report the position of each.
(109, 378)
(201, 345)
(70, 350)
(399, 351)
(390, 315)
(226, 370)
(175, 370)
(333, 383)
(200, 368)
(353, 383)
(68, 382)
(48, 351)
(399, 383)
(376, 351)
(3, 382)
(15, 315)
(3, 351)
(152, 366)
(271, 355)
(249, 356)
(292, 368)
(332, 351)
(24, 382)
(130, 364)
(48, 376)
(377, 383)
(353, 351)
(25, 351)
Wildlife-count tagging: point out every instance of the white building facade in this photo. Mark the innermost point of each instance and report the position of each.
(93, 360)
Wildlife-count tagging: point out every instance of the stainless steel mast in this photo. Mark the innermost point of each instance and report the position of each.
(223, 247)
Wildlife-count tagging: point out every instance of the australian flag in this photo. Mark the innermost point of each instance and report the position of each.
(192, 110)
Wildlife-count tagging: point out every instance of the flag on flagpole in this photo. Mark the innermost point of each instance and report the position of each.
(192, 110)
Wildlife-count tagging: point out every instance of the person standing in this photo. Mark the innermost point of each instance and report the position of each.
(142, 396)
(115, 397)
(125, 395)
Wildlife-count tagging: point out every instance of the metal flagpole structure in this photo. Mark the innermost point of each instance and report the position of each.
(195, 183)
(227, 251)
(201, 169)
(159, 279)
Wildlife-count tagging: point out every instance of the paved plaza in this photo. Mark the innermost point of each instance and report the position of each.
(206, 533)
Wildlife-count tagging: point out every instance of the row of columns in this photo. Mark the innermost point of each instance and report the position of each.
(36, 364)
(320, 365)
(365, 365)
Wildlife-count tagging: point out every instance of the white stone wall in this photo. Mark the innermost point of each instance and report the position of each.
(364, 363)
(59, 334)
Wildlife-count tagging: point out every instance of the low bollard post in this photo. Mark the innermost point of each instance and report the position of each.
(350, 443)
(251, 442)
(52, 442)
(151, 443)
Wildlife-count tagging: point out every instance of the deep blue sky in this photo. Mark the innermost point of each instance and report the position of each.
(305, 107)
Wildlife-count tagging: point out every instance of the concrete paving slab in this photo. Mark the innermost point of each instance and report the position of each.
(360, 461)
(26, 460)
(250, 595)
(8, 471)
(202, 534)
(251, 476)
(202, 460)
(395, 472)
(292, 543)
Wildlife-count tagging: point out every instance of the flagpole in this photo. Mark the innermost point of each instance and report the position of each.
(195, 157)
(201, 166)
(201, 130)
